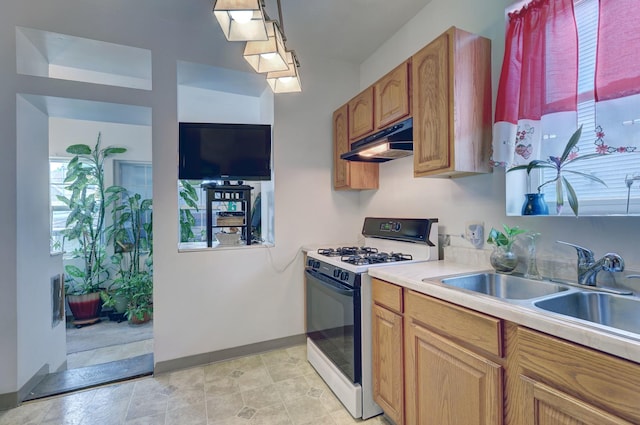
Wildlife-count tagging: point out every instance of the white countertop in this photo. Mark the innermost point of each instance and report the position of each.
(411, 275)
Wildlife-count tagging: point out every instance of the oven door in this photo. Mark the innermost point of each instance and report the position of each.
(334, 321)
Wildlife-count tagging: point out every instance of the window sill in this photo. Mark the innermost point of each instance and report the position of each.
(202, 246)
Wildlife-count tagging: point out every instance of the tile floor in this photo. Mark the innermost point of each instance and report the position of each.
(273, 388)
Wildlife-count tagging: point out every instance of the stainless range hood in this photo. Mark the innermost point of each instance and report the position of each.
(391, 143)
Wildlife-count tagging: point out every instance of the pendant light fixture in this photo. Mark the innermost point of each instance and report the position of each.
(269, 55)
(265, 51)
(287, 81)
(241, 20)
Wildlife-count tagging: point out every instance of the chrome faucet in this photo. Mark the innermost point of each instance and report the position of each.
(588, 267)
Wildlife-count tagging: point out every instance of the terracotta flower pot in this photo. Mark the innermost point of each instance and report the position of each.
(135, 321)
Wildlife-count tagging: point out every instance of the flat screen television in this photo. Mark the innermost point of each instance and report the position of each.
(209, 151)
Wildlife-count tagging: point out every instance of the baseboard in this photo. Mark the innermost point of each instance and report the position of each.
(229, 353)
(11, 400)
(8, 401)
(31, 383)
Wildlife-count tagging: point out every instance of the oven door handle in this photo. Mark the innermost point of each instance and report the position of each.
(332, 284)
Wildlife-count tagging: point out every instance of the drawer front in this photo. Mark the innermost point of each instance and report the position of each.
(387, 294)
(468, 327)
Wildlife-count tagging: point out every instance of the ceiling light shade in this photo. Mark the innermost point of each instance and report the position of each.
(287, 81)
(241, 20)
(269, 55)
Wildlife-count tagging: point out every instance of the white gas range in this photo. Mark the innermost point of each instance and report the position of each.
(338, 304)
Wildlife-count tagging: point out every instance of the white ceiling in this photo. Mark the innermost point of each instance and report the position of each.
(349, 30)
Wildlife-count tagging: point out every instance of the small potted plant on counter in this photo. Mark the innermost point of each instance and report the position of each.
(503, 259)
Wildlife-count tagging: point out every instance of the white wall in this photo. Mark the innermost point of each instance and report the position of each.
(477, 198)
(8, 224)
(39, 343)
(64, 132)
(202, 105)
(235, 297)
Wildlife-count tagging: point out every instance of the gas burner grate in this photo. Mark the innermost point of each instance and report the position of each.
(347, 251)
(398, 256)
(375, 258)
(328, 252)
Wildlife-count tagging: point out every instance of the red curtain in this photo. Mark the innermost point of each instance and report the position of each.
(618, 62)
(540, 67)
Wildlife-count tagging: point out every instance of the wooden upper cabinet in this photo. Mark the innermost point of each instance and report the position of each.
(392, 96)
(361, 114)
(451, 105)
(340, 146)
(349, 175)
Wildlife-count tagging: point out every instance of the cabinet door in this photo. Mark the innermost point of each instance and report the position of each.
(346, 174)
(388, 381)
(548, 406)
(432, 130)
(361, 114)
(392, 96)
(580, 383)
(446, 384)
(340, 146)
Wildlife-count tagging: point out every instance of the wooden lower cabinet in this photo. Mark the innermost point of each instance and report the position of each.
(562, 383)
(446, 384)
(387, 353)
(453, 364)
(388, 382)
(463, 367)
(544, 405)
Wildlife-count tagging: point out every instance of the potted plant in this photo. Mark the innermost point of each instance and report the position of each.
(503, 259)
(534, 203)
(85, 224)
(132, 237)
(190, 197)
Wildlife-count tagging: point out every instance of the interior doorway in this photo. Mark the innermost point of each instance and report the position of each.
(109, 346)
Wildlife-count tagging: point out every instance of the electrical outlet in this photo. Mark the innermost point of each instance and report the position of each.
(474, 233)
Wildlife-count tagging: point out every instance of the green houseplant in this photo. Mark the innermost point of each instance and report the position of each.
(190, 197)
(131, 233)
(559, 164)
(85, 224)
(503, 259)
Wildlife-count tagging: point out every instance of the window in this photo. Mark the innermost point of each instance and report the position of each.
(134, 176)
(58, 211)
(614, 169)
(571, 62)
(192, 211)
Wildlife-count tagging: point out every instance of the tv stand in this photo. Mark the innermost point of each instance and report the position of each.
(229, 193)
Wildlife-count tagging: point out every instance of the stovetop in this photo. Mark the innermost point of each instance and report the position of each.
(373, 253)
(387, 241)
(364, 255)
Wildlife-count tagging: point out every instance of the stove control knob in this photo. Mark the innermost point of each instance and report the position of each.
(314, 264)
(344, 276)
(336, 273)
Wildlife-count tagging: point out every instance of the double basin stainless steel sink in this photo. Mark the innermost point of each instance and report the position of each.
(608, 311)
